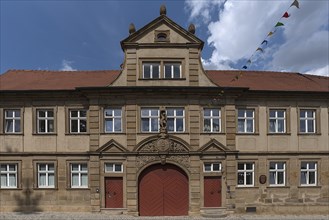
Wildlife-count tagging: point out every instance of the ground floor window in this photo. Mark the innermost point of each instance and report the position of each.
(277, 173)
(8, 175)
(46, 175)
(79, 175)
(245, 174)
(308, 174)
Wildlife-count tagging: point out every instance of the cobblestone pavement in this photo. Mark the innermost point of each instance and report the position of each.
(104, 216)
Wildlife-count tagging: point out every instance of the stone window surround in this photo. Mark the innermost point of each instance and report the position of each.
(68, 121)
(69, 174)
(317, 121)
(316, 170)
(253, 171)
(256, 119)
(212, 167)
(114, 164)
(284, 170)
(18, 174)
(36, 173)
(35, 120)
(287, 120)
(3, 121)
(221, 121)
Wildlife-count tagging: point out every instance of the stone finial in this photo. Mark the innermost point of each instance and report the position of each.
(132, 28)
(191, 28)
(163, 10)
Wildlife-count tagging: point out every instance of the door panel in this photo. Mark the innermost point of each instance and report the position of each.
(113, 192)
(212, 192)
(163, 191)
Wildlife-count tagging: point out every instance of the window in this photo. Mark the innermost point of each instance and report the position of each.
(245, 174)
(212, 167)
(113, 167)
(12, 121)
(46, 175)
(172, 70)
(211, 120)
(151, 70)
(8, 175)
(277, 121)
(175, 120)
(307, 121)
(78, 121)
(162, 37)
(113, 120)
(277, 173)
(79, 175)
(246, 121)
(45, 120)
(150, 119)
(308, 174)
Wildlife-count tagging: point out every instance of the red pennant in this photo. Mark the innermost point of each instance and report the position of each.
(286, 15)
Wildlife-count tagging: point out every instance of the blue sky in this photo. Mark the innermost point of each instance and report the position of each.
(86, 35)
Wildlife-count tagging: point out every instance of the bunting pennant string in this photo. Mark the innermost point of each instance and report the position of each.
(264, 43)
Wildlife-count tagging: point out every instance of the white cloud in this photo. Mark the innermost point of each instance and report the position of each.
(67, 66)
(239, 27)
(322, 71)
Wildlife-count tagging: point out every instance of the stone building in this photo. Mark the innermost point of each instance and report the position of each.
(162, 136)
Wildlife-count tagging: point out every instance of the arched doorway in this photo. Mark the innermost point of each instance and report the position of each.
(163, 191)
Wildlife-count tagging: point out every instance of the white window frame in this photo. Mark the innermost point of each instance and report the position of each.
(80, 172)
(308, 170)
(8, 173)
(172, 75)
(16, 120)
(149, 117)
(152, 65)
(276, 119)
(244, 171)
(304, 120)
(113, 118)
(47, 119)
(246, 119)
(175, 117)
(79, 119)
(48, 173)
(212, 167)
(112, 167)
(276, 171)
(212, 118)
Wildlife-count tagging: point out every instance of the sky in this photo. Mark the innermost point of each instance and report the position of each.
(74, 35)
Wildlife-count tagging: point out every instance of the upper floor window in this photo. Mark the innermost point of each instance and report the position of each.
(78, 121)
(45, 120)
(277, 173)
(8, 175)
(151, 70)
(211, 120)
(150, 119)
(307, 121)
(175, 120)
(79, 175)
(212, 167)
(113, 167)
(113, 120)
(12, 121)
(46, 175)
(246, 174)
(277, 121)
(172, 70)
(246, 121)
(308, 174)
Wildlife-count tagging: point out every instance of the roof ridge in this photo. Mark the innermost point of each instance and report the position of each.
(64, 71)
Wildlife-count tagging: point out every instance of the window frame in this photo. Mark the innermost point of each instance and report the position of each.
(172, 70)
(211, 118)
(308, 171)
(161, 62)
(276, 118)
(79, 172)
(13, 119)
(46, 119)
(47, 172)
(149, 117)
(114, 164)
(246, 118)
(151, 69)
(7, 172)
(212, 167)
(79, 119)
(245, 171)
(113, 117)
(175, 118)
(306, 119)
(277, 170)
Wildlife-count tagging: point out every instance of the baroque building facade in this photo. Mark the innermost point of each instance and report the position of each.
(162, 136)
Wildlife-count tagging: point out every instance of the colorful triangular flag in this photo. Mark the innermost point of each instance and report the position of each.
(260, 49)
(279, 24)
(270, 33)
(244, 67)
(295, 3)
(264, 42)
(286, 15)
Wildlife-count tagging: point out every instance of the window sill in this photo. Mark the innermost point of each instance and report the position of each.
(246, 187)
(78, 188)
(253, 134)
(169, 133)
(162, 79)
(44, 134)
(281, 187)
(305, 186)
(212, 133)
(13, 134)
(278, 134)
(308, 134)
(8, 188)
(45, 188)
(113, 133)
(77, 134)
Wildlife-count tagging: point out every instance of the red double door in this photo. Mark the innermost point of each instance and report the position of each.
(163, 191)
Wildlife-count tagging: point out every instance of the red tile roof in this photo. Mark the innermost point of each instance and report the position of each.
(55, 80)
(254, 80)
(269, 81)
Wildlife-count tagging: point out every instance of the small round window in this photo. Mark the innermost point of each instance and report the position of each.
(162, 37)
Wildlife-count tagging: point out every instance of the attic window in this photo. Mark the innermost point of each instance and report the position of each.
(161, 36)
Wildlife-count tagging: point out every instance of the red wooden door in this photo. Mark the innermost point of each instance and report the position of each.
(163, 191)
(212, 192)
(113, 192)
